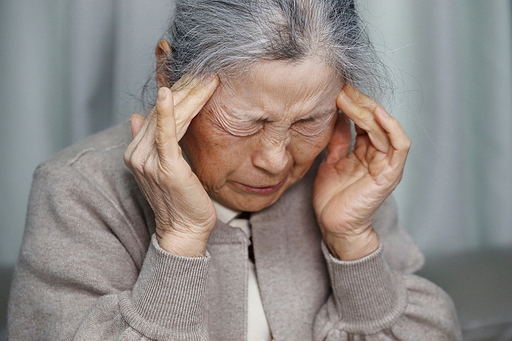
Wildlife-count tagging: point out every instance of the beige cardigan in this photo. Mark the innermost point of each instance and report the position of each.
(89, 268)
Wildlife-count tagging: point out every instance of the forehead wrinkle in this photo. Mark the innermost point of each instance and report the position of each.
(310, 104)
(300, 99)
(267, 92)
(227, 100)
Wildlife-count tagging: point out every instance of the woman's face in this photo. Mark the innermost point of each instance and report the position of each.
(260, 132)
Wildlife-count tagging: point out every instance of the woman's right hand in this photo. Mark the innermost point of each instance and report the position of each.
(184, 213)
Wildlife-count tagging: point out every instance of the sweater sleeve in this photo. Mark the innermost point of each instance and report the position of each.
(76, 280)
(372, 300)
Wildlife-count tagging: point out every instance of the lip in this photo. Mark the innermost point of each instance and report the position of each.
(264, 190)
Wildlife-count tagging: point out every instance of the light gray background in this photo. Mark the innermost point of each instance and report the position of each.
(69, 69)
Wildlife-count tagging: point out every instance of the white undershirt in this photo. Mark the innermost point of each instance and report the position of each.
(257, 324)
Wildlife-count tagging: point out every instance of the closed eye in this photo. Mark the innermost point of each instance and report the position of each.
(313, 126)
(234, 125)
(244, 128)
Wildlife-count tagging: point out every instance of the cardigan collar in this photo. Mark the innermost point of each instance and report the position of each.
(292, 276)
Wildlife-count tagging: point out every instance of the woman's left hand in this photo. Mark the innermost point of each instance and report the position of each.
(349, 188)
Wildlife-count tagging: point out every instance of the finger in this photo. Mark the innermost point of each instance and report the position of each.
(146, 143)
(165, 135)
(340, 140)
(363, 100)
(360, 98)
(142, 131)
(400, 142)
(364, 119)
(178, 96)
(147, 133)
(181, 83)
(361, 148)
(190, 106)
(150, 167)
(140, 134)
(136, 123)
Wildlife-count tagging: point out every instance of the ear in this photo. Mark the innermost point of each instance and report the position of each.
(163, 57)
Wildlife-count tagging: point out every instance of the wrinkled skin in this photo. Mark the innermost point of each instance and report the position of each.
(257, 136)
(252, 137)
(349, 188)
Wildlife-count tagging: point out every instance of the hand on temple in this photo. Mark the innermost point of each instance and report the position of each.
(184, 213)
(349, 188)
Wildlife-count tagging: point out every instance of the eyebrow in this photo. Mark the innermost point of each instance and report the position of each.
(248, 115)
(319, 114)
(244, 114)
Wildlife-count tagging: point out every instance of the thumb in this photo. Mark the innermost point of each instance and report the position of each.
(165, 135)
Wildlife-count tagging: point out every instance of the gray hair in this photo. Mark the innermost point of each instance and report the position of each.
(229, 36)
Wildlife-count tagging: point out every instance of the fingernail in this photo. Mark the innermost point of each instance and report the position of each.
(348, 99)
(208, 79)
(162, 94)
(381, 112)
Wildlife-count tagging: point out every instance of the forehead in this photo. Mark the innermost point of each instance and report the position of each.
(277, 88)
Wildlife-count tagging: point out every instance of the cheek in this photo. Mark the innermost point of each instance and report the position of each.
(212, 154)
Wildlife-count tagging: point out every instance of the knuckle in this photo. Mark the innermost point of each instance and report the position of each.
(149, 173)
(356, 94)
(404, 144)
(149, 170)
(362, 115)
(407, 142)
(137, 162)
(139, 169)
(127, 157)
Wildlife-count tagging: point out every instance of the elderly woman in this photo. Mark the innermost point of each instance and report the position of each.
(231, 222)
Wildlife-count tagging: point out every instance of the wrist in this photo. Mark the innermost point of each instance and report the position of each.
(352, 247)
(182, 245)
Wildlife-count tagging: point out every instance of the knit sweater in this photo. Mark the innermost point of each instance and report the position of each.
(90, 267)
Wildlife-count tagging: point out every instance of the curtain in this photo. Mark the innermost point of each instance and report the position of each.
(452, 61)
(71, 68)
(68, 69)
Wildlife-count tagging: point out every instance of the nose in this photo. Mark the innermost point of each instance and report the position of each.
(273, 155)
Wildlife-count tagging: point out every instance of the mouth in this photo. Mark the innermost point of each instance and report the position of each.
(264, 189)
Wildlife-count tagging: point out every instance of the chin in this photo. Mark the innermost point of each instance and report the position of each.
(250, 203)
